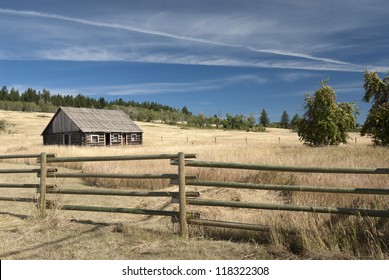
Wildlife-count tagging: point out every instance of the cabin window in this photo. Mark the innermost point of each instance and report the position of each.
(133, 137)
(94, 139)
(115, 137)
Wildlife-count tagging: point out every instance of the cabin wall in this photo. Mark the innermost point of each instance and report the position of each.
(61, 124)
(116, 138)
(93, 139)
(135, 138)
(71, 138)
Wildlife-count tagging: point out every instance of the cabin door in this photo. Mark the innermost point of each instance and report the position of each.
(108, 139)
(67, 140)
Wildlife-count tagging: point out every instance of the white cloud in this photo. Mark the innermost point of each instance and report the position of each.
(157, 88)
(295, 76)
(83, 54)
(299, 38)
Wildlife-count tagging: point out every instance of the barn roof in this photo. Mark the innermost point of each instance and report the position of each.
(98, 120)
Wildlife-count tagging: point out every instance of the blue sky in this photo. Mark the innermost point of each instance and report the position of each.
(215, 56)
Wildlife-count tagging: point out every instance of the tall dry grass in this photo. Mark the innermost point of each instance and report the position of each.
(315, 235)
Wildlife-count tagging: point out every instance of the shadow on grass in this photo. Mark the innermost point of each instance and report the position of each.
(54, 242)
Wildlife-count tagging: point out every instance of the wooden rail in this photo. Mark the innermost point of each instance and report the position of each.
(231, 165)
(118, 158)
(26, 156)
(45, 172)
(182, 196)
(272, 187)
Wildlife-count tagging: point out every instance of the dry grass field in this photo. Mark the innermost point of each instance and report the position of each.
(88, 235)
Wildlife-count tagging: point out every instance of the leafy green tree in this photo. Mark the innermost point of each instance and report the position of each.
(284, 123)
(250, 122)
(217, 120)
(264, 119)
(377, 121)
(325, 121)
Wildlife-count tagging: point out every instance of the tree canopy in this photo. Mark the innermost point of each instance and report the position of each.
(264, 119)
(377, 121)
(326, 122)
(284, 122)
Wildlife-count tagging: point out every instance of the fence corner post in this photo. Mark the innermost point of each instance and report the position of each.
(182, 191)
(42, 185)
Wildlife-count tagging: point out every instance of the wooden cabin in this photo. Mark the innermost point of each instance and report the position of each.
(91, 127)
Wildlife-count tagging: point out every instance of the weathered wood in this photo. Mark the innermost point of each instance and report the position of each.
(120, 193)
(42, 184)
(118, 158)
(115, 176)
(236, 185)
(182, 191)
(284, 168)
(35, 170)
(91, 127)
(225, 224)
(25, 156)
(119, 210)
(24, 186)
(19, 199)
(288, 207)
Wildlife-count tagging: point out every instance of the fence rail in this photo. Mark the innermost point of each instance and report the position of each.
(44, 173)
(185, 198)
(283, 207)
(272, 187)
(120, 193)
(288, 207)
(231, 165)
(25, 156)
(117, 158)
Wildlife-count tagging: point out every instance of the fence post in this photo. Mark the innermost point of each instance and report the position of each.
(182, 191)
(42, 185)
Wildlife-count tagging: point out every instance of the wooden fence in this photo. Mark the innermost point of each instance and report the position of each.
(282, 207)
(44, 172)
(185, 199)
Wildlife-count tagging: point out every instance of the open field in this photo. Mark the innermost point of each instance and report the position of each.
(79, 235)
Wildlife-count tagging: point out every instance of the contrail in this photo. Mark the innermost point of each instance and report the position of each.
(165, 34)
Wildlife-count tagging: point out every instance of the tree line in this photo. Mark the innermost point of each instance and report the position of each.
(325, 121)
(32, 100)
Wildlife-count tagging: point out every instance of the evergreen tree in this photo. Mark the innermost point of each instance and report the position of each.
(284, 123)
(295, 122)
(264, 119)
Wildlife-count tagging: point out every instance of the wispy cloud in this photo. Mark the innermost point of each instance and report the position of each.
(150, 88)
(167, 88)
(90, 54)
(295, 76)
